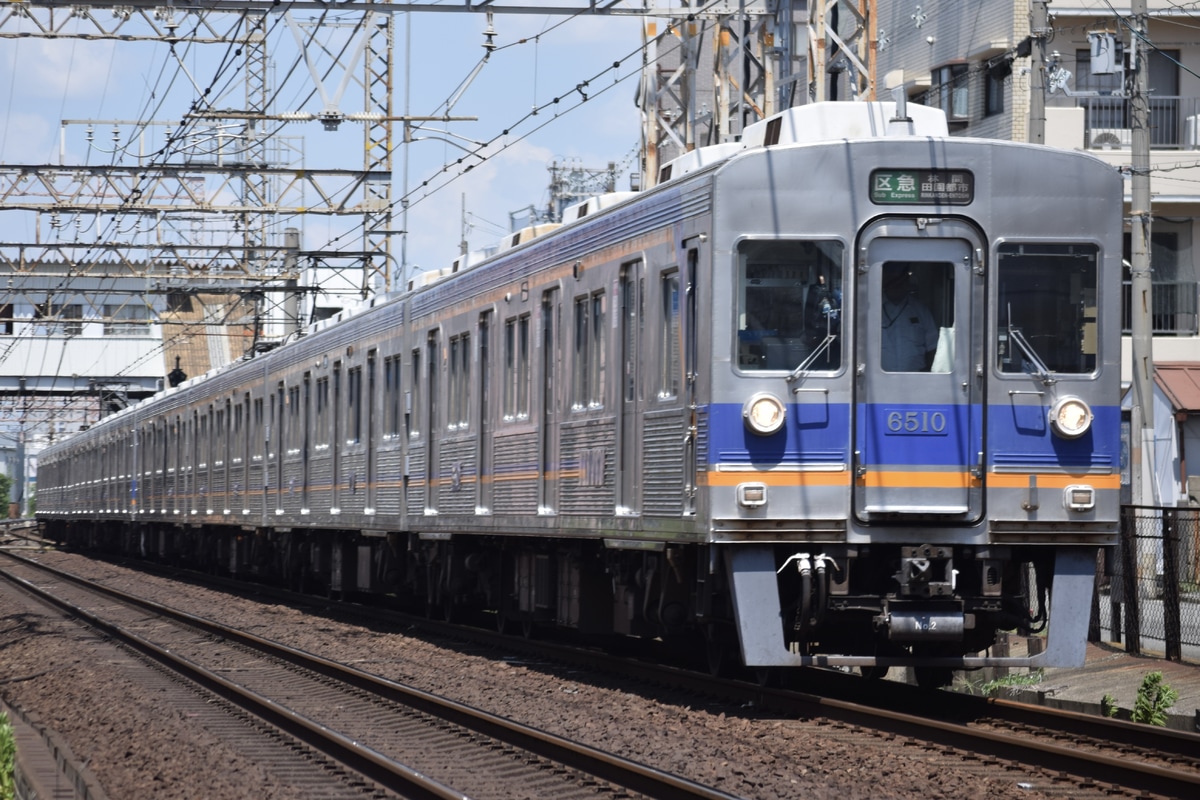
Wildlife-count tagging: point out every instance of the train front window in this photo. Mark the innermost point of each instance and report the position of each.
(916, 316)
(1046, 308)
(789, 305)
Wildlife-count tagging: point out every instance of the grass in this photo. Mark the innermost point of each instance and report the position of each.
(998, 686)
(8, 755)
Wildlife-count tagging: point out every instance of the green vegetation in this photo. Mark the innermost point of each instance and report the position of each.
(8, 755)
(1108, 705)
(5, 493)
(1153, 699)
(996, 687)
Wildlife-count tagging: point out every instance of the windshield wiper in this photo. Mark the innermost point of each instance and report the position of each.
(1040, 369)
(831, 314)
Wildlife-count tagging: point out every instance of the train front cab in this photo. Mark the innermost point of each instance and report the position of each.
(982, 470)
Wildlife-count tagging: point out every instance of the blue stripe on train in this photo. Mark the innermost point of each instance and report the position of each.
(820, 433)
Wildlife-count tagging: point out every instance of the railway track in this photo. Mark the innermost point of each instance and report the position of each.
(1080, 752)
(375, 737)
(1073, 755)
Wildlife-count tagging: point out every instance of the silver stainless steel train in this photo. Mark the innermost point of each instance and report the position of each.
(843, 393)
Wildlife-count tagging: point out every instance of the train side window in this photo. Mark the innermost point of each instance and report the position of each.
(354, 387)
(321, 423)
(460, 382)
(414, 427)
(221, 432)
(391, 397)
(258, 423)
(789, 298)
(596, 360)
(516, 368)
(670, 342)
(295, 432)
(587, 378)
(239, 413)
(1046, 308)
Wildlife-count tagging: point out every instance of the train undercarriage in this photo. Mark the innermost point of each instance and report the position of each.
(938, 605)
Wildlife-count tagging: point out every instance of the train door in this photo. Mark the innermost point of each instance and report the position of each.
(549, 430)
(690, 362)
(918, 426)
(628, 460)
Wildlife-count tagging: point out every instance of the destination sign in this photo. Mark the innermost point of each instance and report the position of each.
(922, 187)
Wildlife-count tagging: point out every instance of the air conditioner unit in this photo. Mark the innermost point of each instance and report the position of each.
(1110, 138)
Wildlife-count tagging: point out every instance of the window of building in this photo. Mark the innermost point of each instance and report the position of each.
(949, 90)
(126, 320)
(993, 88)
(1108, 115)
(1174, 299)
(55, 319)
(6, 319)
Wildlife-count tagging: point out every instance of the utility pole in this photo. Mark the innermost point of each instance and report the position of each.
(1141, 305)
(1037, 73)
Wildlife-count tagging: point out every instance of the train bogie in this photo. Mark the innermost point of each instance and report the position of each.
(843, 394)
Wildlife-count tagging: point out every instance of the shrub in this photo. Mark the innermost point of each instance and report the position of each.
(1153, 699)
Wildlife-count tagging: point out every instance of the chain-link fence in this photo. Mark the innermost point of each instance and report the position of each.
(1148, 590)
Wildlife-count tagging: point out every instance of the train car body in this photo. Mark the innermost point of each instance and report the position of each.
(844, 393)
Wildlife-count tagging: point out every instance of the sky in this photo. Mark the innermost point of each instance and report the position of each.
(537, 59)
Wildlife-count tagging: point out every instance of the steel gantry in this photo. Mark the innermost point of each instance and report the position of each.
(211, 203)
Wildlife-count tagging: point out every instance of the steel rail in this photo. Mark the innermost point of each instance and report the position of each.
(608, 767)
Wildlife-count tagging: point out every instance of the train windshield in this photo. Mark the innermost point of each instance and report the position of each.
(789, 305)
(1046, 311)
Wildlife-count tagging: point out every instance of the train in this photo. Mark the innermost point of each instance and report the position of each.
(844, 393)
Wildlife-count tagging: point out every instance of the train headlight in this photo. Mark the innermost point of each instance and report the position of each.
(1070, 417)
(764, 413)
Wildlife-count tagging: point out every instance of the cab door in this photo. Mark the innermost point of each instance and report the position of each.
(919, 372)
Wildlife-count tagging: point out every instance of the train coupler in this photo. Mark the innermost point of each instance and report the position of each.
(926, 571)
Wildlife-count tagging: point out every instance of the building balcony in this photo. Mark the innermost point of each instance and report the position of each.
(1173, 313)
(1174, 123)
